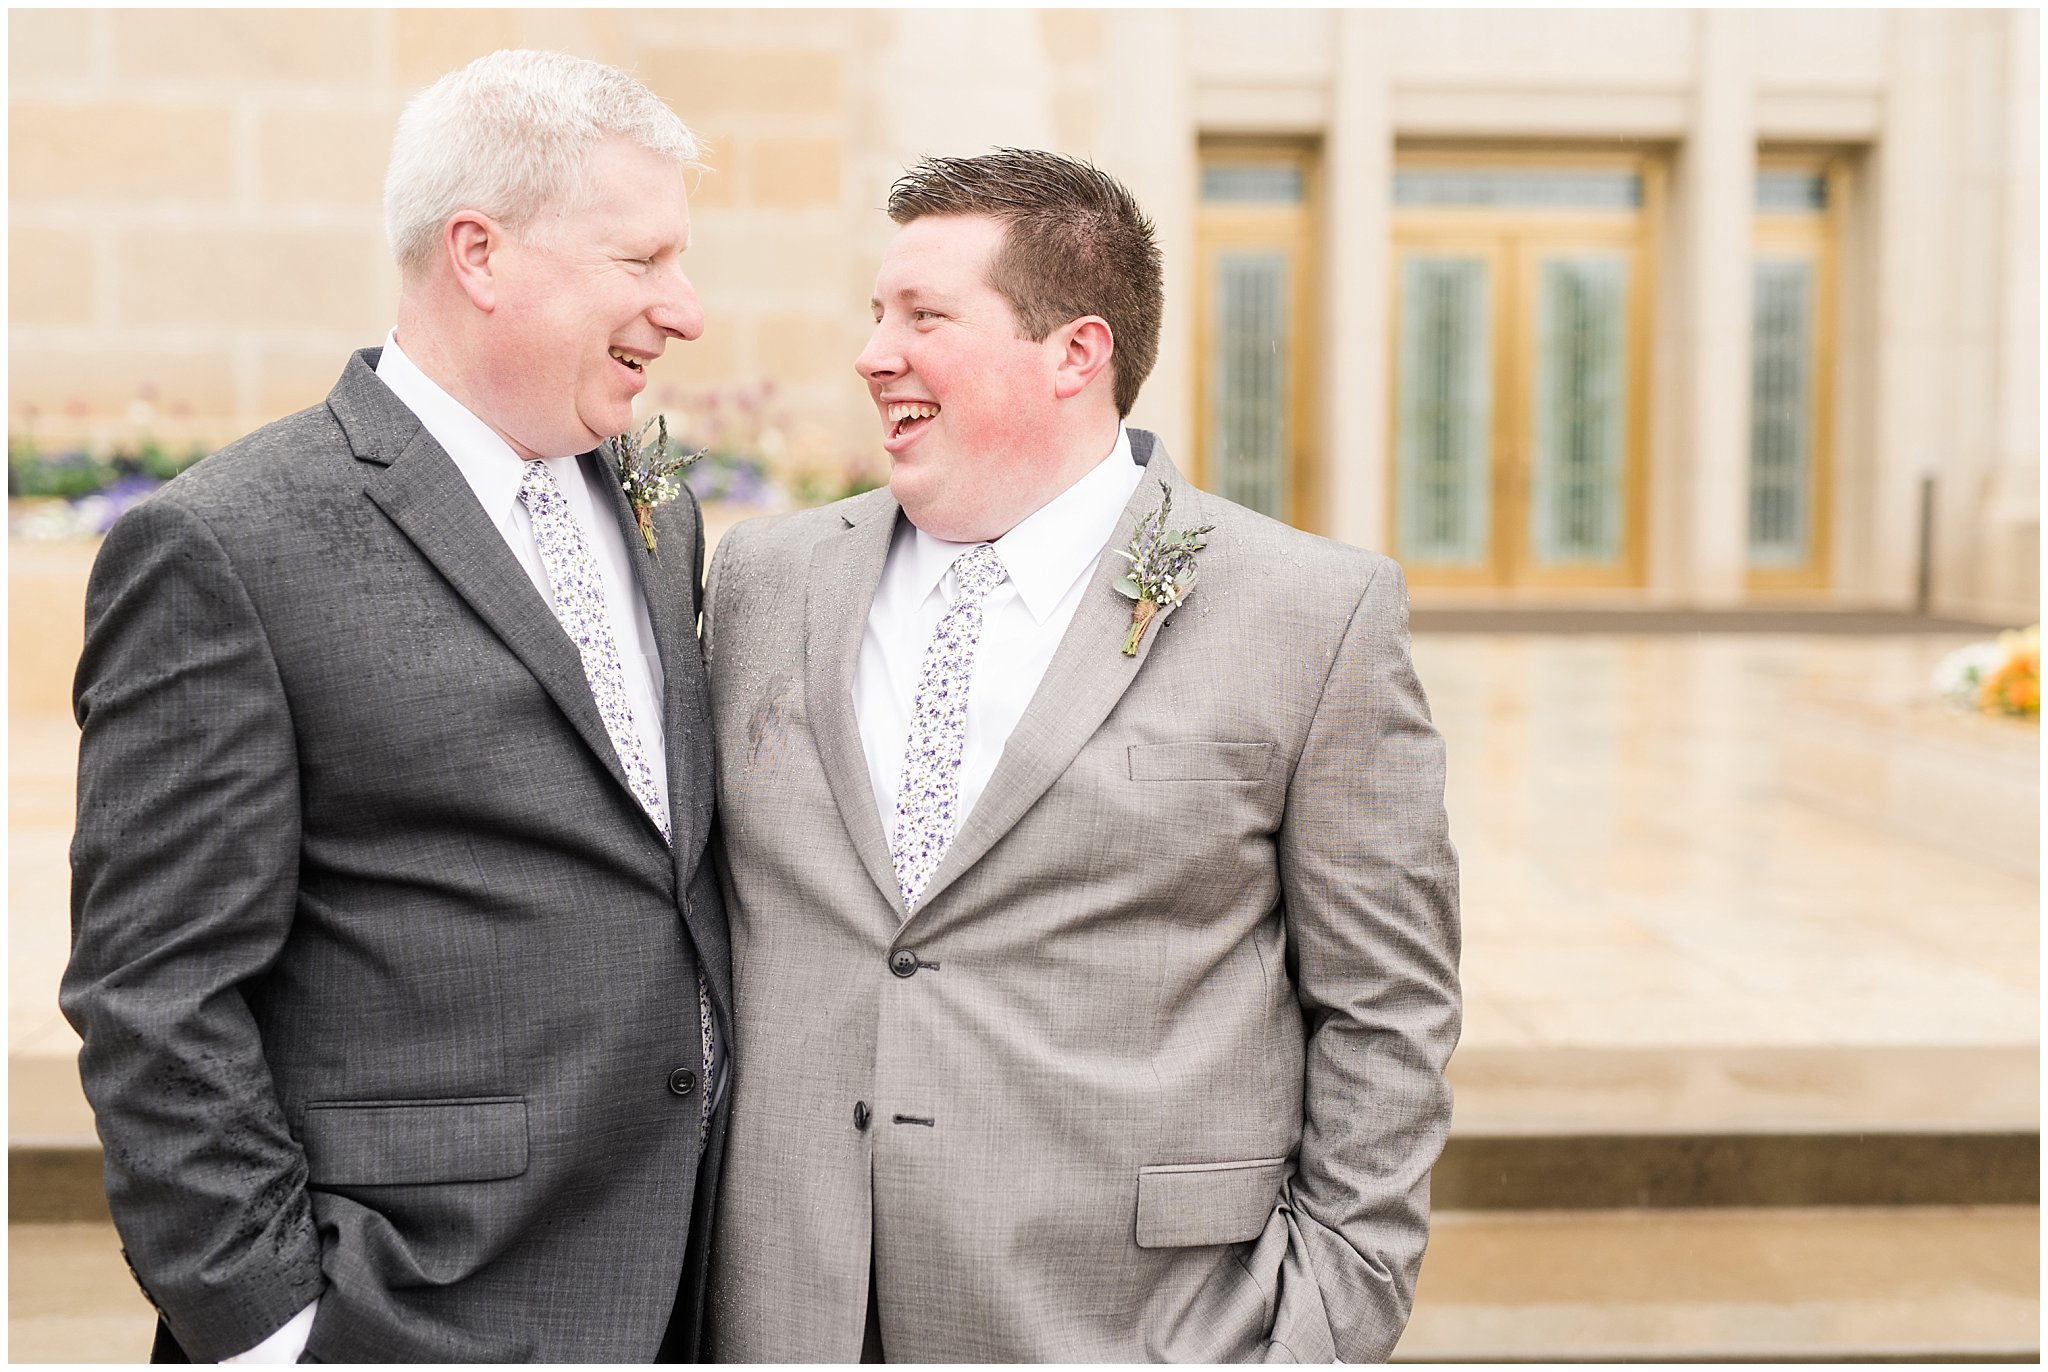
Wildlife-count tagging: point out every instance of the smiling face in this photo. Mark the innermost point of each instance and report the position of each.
(967, 403)
(582, 301)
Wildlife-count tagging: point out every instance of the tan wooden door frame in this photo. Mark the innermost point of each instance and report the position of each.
(1290, 229)
(1515, 242)
(1812, 238)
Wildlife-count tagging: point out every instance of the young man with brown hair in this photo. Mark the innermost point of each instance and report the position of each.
(1094, 925)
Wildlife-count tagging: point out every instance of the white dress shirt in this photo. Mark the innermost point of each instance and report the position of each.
(493, 472)
(1050, 561)
(287, 1343)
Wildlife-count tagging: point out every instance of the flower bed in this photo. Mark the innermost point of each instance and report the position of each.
(750, 461)
(77, 493)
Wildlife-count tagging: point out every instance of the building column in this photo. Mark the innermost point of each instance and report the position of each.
(1719, 204)
(1148, 139)
(1357, 231)
(2012, 589)
(1912, 190)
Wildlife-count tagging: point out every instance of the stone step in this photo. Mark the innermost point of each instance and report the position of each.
(1782, 1284)
(1562, 1129)
(1535, 1129)
(70, 1298)
(1545, 1173)
(1730, 1285)
(1672, 1171)
(1764, 1089)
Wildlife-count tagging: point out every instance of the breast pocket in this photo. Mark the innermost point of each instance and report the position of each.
(1190, 1205)
(388, 1143)
(1200, 761)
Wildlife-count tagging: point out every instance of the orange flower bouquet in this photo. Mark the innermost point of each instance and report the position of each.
(2002, 678)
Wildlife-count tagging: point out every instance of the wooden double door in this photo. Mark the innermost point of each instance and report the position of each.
(1521, 300)
(1519, 416)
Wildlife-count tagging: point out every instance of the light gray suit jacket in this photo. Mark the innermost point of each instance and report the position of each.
(1156, 1071)
(382, 971)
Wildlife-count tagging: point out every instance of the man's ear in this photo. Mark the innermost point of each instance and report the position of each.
(1086, 346)
(470, 241)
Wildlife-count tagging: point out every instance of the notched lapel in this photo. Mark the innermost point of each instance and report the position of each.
(425, 495)
(846, 567)
(665, 580)
(1087, 676)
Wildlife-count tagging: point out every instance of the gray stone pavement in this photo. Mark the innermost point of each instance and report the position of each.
(1740, 1284)
(1713, 884)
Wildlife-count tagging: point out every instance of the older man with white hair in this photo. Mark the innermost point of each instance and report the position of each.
(401, 972)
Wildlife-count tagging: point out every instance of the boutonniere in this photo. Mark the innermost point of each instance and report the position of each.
(648, 472)
(1162, 566)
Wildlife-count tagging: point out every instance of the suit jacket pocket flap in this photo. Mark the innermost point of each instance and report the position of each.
(1207, 1202)
(1199, 761)
(378, 1143)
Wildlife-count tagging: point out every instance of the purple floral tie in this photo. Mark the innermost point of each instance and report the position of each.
(928, 794)
(579, 604)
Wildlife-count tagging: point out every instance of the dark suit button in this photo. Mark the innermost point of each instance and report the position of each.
(860, 1115)
(903, 962)
(682, 1081)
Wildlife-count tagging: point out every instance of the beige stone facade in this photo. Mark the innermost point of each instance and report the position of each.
(196, 235)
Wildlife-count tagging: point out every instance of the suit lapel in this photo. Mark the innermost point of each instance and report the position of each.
(1087, 676)
(670, 596)
(846, 567)
(425, 495)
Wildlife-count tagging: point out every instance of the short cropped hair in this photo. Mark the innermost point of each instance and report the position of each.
(509, 135)
(1076, 243)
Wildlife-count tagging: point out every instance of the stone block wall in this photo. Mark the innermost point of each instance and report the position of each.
(196, 230)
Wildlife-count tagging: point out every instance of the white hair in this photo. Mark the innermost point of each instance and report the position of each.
(509, 135)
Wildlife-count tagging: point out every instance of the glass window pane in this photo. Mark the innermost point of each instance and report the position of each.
(1791, 193)
(1444, 453)
(1263, 183)
(1781, 413)
(1249, 384)
(1519, 189)
(1580, 411)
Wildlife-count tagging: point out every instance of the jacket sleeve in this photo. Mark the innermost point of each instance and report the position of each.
(1370, 885)
(720, 577)
(184, 881)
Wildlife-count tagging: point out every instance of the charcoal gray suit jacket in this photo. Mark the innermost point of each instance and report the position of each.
(1156, 1069)
(387, 983)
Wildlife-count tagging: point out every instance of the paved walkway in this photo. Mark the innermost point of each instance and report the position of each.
(1695, 847)
(1712, 882)
(1735, 841)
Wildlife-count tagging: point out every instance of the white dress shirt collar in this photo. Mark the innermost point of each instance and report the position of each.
(1057, 543)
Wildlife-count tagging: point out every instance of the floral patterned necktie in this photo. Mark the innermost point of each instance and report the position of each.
(579, 603)
(928, 793)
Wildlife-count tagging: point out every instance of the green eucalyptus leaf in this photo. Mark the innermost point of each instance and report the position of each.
(1124, 586)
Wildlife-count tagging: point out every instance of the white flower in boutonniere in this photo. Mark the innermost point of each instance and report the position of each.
(1162, 566)
(648, 473)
